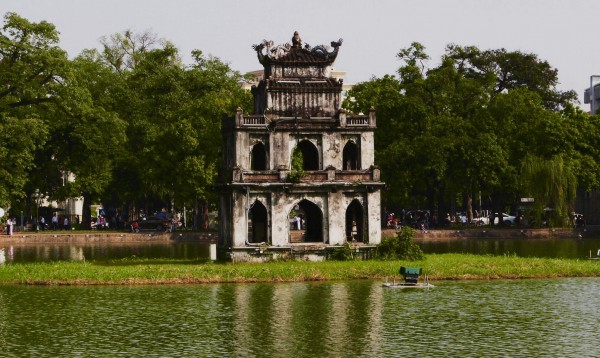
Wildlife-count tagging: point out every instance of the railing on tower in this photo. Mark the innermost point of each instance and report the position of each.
(253, 120)
(357, 120)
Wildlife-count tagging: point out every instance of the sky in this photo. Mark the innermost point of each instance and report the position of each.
(562, 32)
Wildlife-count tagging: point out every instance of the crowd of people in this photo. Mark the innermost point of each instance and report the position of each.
(56, 223)
(417, 219)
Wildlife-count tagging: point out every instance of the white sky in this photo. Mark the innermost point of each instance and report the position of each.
(563, 32)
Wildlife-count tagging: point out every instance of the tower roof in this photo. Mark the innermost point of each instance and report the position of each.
(296, 54)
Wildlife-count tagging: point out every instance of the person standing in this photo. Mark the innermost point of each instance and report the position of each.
(66, 223)
(42, 223)
(10, 222)
(54, 222)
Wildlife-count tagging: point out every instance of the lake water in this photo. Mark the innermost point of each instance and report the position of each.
(517, 318)
(553, 248)
(103, 251)
(550, 248)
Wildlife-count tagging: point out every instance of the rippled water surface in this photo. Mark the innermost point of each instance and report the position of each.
(102, 251)
(571, 248)
(554, 248)
(544, 318)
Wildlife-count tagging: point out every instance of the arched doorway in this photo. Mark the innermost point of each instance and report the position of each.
(257, 223)
(350, 156)
(355, 222)
(306, 222)
(258, 160)
(310, 155)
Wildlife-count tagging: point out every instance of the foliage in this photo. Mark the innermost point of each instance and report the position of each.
(32, 67)
(552, 184)
(342, 253)
(297, 168)
(135, 126)
(174, 115)
(460, 132)
(130, 123)
(400, 247)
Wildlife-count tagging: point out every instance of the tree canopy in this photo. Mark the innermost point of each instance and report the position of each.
(470, 128)
(136, 127)
(132, 124)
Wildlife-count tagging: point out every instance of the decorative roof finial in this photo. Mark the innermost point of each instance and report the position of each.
(296, 40)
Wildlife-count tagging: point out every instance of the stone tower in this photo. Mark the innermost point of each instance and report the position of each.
(298, 174)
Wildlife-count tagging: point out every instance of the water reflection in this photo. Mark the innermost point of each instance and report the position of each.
(358, 319)
(550, 248)
(103, 251)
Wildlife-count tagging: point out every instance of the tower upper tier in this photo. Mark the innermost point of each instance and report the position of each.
(297, 79)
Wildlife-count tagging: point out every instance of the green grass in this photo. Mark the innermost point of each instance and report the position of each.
(146, 271)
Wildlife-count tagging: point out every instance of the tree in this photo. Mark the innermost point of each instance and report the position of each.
(552, 184)
(32, 69)
(583, 143)
(87, 136)
(464, 128)
(123, 51)
(173, 116)
(511, 70)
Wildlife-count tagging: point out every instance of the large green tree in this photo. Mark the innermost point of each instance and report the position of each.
(32, 69)
(462, 130)
(87, 134)
(173, 114)
(54, 117)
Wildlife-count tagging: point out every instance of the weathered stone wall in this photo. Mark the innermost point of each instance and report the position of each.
(297, 103)
(489, 233)
(280, 145)
(27, 237)
(280, 203)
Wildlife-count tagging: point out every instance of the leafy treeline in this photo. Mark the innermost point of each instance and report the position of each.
(482, 125)
(138, 129)
(135, 126)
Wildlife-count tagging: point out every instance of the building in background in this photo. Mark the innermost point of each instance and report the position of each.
(592, 94)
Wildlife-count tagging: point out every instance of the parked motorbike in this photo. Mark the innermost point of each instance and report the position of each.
(134, 227)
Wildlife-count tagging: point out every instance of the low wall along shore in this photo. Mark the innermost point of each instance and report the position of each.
(502, 233)
(448, 234)
(74, 237)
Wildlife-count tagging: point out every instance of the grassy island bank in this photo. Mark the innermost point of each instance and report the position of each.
(143, 272)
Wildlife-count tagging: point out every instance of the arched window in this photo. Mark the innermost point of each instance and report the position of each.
(310, 155)
(354, 222)
(257, 223)
(350, 156)
(258, 160)
(306, 222)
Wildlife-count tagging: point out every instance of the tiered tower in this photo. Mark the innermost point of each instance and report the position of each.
(298, 175)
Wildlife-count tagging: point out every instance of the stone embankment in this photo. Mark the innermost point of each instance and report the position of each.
(28, 237)
(502, 233)
(101, 237)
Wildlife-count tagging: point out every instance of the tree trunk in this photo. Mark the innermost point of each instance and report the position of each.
(205, 216)
(86, 212)
(470, 207)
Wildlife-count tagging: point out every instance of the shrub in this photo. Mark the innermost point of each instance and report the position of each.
(400, 247)
(297, 168)
(342, 253)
